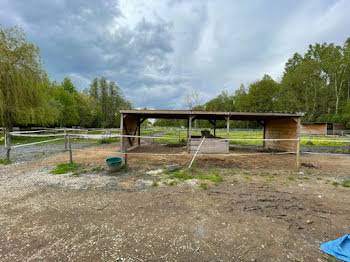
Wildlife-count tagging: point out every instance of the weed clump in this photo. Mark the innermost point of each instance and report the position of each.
(335, 183)
(64, 168)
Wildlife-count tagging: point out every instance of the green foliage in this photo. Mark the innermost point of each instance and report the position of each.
(316, 83)
(335, 183)
(155, 183)
(23, 81)
(64, 168)
(108, 100)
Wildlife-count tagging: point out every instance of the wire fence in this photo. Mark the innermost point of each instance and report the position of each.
(70, 140)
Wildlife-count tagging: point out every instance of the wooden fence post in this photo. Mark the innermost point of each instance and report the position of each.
(8, 145)
(65, 139)
(70, 150)
(298, 154)
(126, 158)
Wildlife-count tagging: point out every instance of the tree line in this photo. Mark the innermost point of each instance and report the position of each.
(316, 83)
(28, 97)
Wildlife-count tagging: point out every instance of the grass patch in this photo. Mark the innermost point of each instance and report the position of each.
(155, 183)
(182, 176)
(4, 161)
(204, 186)
(233, 173)
(248, 177)
(97, 169)
(335, 183)
(263, 173)
(290, 178)
(173, 183)
(64, 168)
(212, 177)
(346, 183)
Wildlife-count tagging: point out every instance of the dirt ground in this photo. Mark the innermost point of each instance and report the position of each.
(263, 210)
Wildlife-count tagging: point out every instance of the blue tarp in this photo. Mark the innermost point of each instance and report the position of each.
(339, 248)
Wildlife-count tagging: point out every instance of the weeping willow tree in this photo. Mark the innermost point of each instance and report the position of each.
(23, 81)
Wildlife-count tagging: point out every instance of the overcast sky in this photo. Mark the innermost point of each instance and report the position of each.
(156, 51)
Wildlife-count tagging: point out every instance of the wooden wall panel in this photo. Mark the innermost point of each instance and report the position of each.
(313, 129)
(281, 128)
(130, 127)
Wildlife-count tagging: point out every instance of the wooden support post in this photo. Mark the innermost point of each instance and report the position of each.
(228, 134)
(126, 158)
(139, 132)
(121, 132)
(264, 136)
(214, 127)
(298, 143)
(298, 154)
(8, 146)
(70, 150)
(189, 134)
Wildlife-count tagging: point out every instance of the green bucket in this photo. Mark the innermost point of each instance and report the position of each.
(114, 163)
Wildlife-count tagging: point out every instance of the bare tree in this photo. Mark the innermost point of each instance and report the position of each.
(193, 98)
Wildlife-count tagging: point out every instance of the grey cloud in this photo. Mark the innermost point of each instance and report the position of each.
(157, 51)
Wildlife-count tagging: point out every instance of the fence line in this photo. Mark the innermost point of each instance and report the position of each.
(35, 143)
(101, 136)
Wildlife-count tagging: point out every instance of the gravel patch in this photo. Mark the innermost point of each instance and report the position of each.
(35, 152)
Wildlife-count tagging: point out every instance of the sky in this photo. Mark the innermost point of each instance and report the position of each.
(157, 51)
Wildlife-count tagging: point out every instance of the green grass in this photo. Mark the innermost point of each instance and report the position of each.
(291, 178)
(233, 173)
(308, 141)
(212, 177)
(4, 161)
(173, 183)
(64, 168)
(192, 173)
(335, 183)
(346, 183)
(182, 176)
(305, 140)
(204, 186)
(155, 183)
(97, 169)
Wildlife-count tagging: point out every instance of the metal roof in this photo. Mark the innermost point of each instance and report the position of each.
(212, 115)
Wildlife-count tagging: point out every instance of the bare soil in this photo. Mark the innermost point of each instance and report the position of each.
(264, 210)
